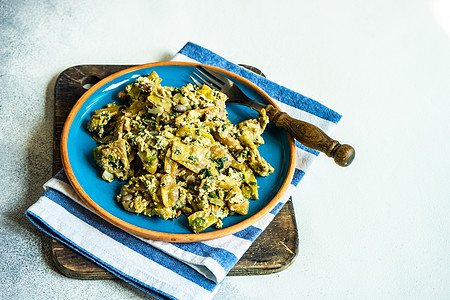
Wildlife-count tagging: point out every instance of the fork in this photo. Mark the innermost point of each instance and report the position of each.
(306, 133)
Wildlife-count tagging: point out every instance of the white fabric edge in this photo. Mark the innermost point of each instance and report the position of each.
(207, 266)
(183, 58)
(325, 125)
(63, 188)
(303, 159)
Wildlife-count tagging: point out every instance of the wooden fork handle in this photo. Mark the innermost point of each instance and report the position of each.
(312, 137)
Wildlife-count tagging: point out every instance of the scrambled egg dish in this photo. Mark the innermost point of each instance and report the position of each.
(179, 153)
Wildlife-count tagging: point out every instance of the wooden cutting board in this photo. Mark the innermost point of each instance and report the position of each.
(274, 250)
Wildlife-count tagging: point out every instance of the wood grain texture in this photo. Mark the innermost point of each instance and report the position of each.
(274, 250)
(312, 137)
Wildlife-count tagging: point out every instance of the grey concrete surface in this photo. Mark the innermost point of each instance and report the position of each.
(31, 57)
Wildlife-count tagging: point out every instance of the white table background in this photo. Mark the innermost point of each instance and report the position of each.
(378, 229)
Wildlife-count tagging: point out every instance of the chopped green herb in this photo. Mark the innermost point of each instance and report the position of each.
(205, 173)
(118, 164)
(220, 162)
(212, 195)
(192, 158)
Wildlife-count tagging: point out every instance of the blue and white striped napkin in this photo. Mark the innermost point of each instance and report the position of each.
(171, 270)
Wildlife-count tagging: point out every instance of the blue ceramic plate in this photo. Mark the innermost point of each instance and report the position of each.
(99, 195)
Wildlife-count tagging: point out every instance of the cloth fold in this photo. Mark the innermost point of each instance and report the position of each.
(162, 269)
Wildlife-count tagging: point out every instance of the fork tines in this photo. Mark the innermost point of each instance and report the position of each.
(196, 81)
(210, 78)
